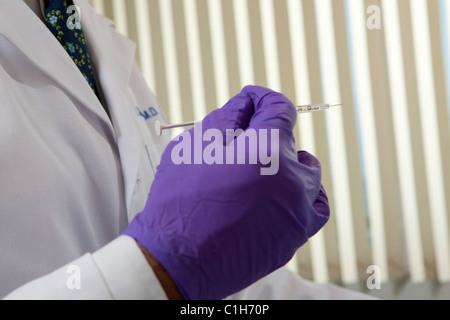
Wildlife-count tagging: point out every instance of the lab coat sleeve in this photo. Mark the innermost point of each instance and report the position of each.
(117, 271)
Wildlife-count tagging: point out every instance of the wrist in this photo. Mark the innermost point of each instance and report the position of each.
(166, 281)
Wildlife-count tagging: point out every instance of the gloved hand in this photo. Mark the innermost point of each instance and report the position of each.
(217, 228)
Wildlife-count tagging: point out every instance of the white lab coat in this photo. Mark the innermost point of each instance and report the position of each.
(72, 176)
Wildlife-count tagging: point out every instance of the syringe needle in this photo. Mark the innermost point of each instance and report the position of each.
(159, 128)
(315, 107)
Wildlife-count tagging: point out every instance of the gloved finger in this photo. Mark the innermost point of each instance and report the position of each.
(235, 114)
(322, 212)
(273, 110)
(308, 159)
(316, 192)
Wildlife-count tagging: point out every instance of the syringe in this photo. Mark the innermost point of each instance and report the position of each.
(315, 107)
(159, 128)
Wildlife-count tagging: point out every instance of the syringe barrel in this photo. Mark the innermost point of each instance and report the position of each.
(312, 108)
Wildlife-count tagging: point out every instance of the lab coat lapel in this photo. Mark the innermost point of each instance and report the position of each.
(114, 56)
(34, 39)
(112, 53)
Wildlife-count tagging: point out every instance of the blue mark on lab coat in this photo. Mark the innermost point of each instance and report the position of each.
(148, 114)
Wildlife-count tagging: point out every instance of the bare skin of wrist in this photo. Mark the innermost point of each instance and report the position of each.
(163, 276)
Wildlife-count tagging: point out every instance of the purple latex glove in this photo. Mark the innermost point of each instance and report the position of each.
(217, 228)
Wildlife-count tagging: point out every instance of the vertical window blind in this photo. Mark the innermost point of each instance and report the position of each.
(384, 153)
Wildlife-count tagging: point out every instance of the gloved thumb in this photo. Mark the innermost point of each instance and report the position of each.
(273, 110)
(235, 114)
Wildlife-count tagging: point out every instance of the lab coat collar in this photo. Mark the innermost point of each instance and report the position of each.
(113, 57)
(23, 28)
(112, 54)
